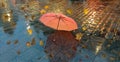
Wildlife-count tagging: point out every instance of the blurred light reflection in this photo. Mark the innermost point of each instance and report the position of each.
(91, 22)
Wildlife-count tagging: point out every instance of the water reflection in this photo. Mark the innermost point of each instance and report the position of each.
(61, 48)
(8, 21)
(9, 29)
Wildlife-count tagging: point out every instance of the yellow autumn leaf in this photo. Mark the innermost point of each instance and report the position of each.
(84, 28)
(78, 36)
(41, 43)
(6, 17)
(42, 11)
(28, 44)
(33, 42)
(86, 11)
(29, 31)
(69, 11)
(46, 6)
(104, 55)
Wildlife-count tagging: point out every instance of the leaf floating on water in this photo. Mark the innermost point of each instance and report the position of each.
(84, 46)
(69, 11)
(41, 43)
(45, 51)
(26, 16)
(42, 11)
(28, 44)
(78, 36)
(7, 16)
(8, 42)
(29, 31)
(46, 6)
(18, 52)
(33, 41)
(16, 41)
(104, 55)
(98, 48)
(51, 55)
(112, 58)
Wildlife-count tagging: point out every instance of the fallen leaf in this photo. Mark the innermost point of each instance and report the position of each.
(51, 55)
(29, 31)
(8, 42)
(112, 58)
(16, 41)
(46, 6)
(84, 46)
(84, 28)
(6, 17)
(104, 55)
(28, 44)
(42, 11)
(78, 36)
(41, 43)
(18, 52)
(86, 11)
(69, 11)
(33, 41)
(33, 17)
(45, 51)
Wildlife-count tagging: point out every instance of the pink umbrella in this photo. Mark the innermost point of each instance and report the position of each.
(61, 44)
(58, 21)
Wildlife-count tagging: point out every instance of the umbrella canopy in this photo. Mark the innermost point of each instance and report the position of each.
(58, 21)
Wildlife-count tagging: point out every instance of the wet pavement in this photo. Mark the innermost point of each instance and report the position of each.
(24, 39)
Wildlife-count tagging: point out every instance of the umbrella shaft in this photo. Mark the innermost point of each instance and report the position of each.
(58, 23)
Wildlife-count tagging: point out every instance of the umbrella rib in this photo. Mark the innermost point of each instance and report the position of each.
(64, 22)
(58, 22)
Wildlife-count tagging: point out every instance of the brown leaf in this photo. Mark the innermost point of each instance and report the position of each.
(16, 41)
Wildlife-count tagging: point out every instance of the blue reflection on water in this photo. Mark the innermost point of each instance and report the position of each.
(28, 54)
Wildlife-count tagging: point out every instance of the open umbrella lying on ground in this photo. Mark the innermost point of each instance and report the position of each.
(58, 21)
(61, 45)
